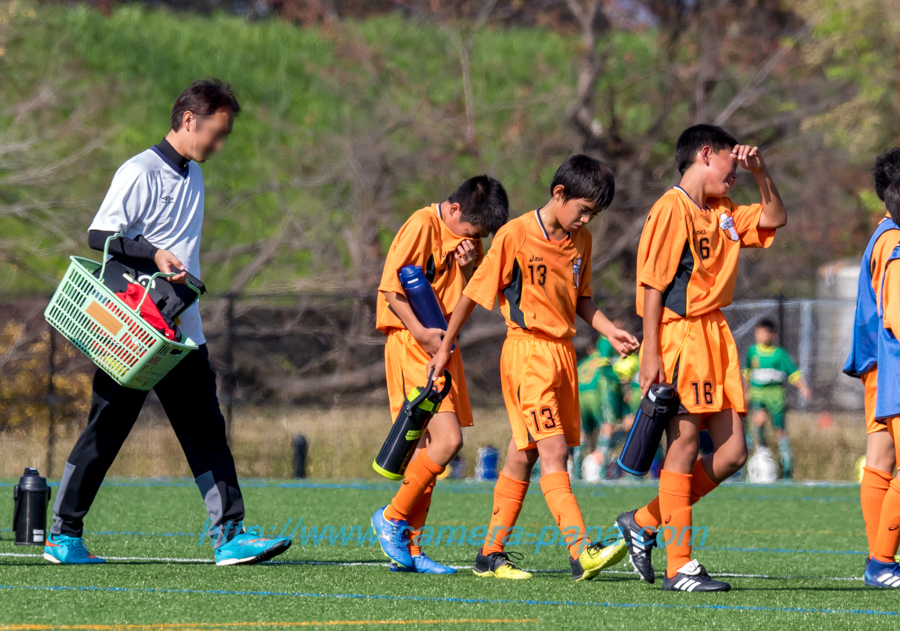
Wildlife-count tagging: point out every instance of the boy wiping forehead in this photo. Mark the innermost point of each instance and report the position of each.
(687, 268)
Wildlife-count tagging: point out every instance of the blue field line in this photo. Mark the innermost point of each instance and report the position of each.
(439, 599)
(195, 535)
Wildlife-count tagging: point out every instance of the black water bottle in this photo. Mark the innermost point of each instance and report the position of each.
(31, 496)
(408, 428)
(657, 408)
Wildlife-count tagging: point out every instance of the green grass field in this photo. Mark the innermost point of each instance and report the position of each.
(795, 554)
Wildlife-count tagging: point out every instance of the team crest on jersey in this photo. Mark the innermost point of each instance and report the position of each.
(726, 223)
(576, 270)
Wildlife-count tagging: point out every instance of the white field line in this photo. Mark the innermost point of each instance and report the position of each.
(457, 567)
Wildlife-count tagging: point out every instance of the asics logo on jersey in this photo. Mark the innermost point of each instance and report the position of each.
(167, 199)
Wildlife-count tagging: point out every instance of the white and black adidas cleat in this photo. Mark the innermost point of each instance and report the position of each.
(692, 577)
(640, 543)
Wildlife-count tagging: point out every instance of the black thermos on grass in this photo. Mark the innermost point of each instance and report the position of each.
(409, 426)
(31, 496)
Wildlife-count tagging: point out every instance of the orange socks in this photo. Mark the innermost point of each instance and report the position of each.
(558, 495)
(872, 493)
(675, 508)
(417, 519)
(888, 526)
(508, 497)
(420, 475)
(701, 486)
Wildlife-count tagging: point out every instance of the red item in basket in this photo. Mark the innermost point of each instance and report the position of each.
(133, 296)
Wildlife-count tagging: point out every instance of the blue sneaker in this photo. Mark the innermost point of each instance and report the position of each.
(393, 536)
(247, 548)
(880, 574)
(68, 551)
(423, 564)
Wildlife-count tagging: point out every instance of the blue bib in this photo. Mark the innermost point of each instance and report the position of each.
(866, 323)
(887, 401)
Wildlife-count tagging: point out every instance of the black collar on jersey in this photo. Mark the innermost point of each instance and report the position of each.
(174, 159)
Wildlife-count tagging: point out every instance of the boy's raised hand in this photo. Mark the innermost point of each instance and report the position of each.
(465, 256)
(623, 342)
(748, 157)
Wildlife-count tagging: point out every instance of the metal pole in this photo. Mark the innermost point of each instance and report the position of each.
(51, 406)
(781, 332)
(229, 364)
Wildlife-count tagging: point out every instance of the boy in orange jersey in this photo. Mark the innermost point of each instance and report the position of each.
(862, 362)
(539, 267)
(445, 241)
(686, 271)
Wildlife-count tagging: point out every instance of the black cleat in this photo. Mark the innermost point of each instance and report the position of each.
(499, 565)
(640, 542)
(693, 578)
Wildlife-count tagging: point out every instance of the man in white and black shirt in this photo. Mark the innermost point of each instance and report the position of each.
(156, 201)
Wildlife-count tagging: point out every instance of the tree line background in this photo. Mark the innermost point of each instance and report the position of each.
(357, 113)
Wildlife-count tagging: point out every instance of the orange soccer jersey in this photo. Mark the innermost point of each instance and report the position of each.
(426, 241)
(691, 256)
(880, 253)
(538, 282)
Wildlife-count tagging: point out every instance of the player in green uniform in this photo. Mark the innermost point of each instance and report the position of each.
(767, 369)
(602, 405)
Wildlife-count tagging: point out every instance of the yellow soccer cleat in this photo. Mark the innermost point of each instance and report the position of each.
(597, 557)
(498, 565)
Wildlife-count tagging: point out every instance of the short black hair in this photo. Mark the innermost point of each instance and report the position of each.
(887, 169)
(584, 177)
(204, 97)
(768, 324)
(892, 200)
(483, 202)
(693, 139)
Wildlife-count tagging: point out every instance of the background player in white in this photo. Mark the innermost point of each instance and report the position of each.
(156, 201)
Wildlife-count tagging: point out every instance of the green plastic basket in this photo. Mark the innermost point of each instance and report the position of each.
(113, 335)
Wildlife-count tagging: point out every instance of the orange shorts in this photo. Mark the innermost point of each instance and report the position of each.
(540, 388)
(404, 367)
(870, 381)
(701, 359)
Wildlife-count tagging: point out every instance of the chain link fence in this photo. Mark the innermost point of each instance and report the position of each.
(313, 364)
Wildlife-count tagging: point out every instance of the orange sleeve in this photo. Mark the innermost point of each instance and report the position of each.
(662, 242)
(412, 245)
(746, 222)
(495, 271)
(584, 285)
(890, 298)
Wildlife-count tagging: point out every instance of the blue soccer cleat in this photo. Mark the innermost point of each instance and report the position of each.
(68, 551)
(423, 564)
(880, 574)
(393, 536)
(247, 548)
